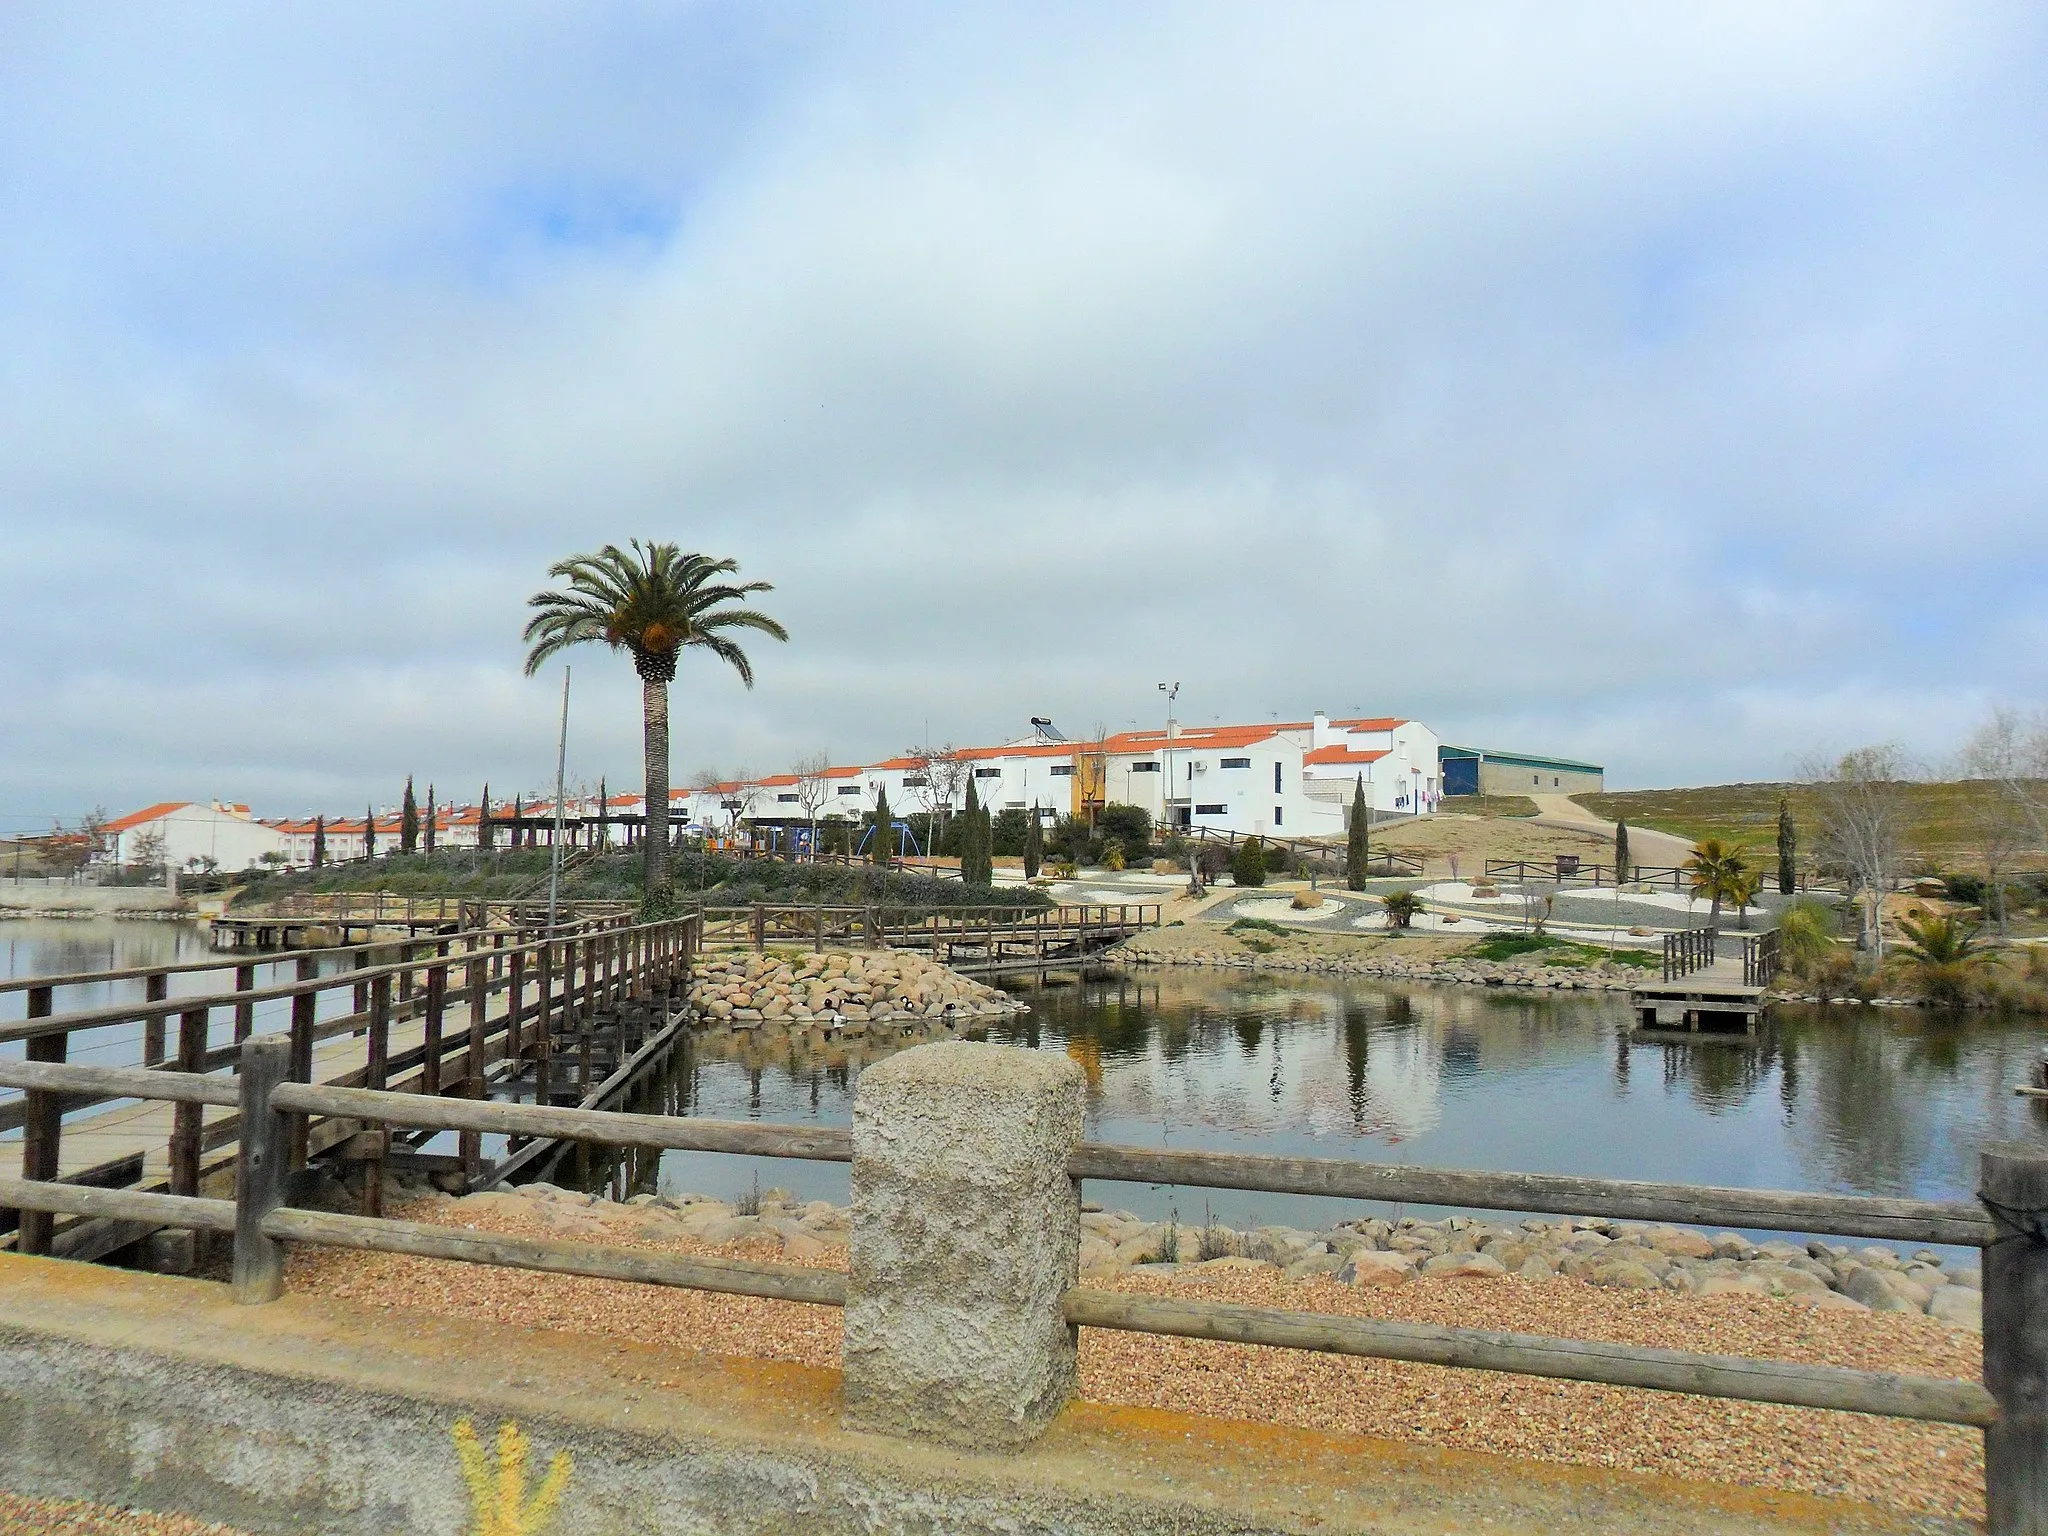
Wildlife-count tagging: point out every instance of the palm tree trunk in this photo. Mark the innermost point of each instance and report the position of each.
(654, 853)
(1714, 917)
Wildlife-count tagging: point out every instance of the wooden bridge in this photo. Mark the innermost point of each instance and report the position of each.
(311, 918)
(995, 938)
(559, 1018)
(1708, 991)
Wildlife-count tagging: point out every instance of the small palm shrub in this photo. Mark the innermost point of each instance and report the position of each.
(1401, 908)
(1806, 936)
(1943, 954)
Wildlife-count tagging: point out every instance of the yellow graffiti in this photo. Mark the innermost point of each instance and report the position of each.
(497, 1498)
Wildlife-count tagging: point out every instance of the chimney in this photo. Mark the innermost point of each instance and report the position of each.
(1321, 736)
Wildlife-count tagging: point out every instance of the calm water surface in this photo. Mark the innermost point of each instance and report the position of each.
(1868, 1101)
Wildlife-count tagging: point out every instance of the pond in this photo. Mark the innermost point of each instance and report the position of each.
(1846, 1100)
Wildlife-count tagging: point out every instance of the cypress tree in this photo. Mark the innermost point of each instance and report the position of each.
(975, 866)
(427, 828)
(1788, 849)
(516, 814)
(319, 841)
(408, 821)
(1358, 842)
(483, 820)
(1622, 863)
(1248, 863)
(604, 815)
(369, 832)
(1034, 846)
(878, 850)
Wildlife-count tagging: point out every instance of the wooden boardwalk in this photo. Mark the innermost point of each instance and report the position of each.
(449, 1018)
(1705, 991)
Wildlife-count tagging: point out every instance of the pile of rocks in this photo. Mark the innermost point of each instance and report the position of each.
(1619, 1254)
(838, 987)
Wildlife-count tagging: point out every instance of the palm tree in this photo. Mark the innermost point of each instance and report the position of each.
(1719, 873)
(1942, 948)
(650, 601)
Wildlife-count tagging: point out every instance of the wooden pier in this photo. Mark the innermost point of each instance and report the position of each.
(1703, 991)
(553, 1018)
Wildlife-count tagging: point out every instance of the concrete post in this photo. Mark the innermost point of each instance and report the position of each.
(966, 1233)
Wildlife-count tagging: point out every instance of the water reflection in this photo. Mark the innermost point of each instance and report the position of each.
(1872, 1101)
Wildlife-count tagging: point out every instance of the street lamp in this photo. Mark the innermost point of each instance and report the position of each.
(1172, 692)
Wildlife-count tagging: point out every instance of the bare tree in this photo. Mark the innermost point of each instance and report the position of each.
(146, 850)
(813, 790)
(1861, 803)
(2009, 753)
(738, 799)
(944, 771)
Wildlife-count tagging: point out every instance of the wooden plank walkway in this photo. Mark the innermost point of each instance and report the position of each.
(1704, 990)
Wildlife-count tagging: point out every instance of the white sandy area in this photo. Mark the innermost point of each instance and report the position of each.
(1281, 909)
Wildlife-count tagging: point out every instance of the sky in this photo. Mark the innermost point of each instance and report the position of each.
(1659, 386)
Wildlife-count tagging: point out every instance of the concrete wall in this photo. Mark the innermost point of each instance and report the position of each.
(1506, 777)
(322, 1418)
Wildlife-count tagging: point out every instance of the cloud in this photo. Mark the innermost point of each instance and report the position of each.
(1647, 388)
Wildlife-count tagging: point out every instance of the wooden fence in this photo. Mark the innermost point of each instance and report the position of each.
(273, 1109)
(1689, 950)
(986, 935)
(436, 1019)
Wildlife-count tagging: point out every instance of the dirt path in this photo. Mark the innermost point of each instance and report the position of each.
(1645, 845)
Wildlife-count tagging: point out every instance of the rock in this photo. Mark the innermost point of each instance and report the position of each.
(800, 1245)
(1959, 1306)
(1973, 1278)
(1625, 1275)
(1733, 1285)
(1883, 1291)
(1316, 1264)
(1677, 1243)
(1229, 1263)
(1536, 1267)
(1782, 1251)
(1832, 1301)
(1376, 1266)
(1786, 1280)
(1465, 1266)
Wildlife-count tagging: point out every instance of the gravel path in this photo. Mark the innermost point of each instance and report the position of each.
(20, 1516)
(1920, 1467)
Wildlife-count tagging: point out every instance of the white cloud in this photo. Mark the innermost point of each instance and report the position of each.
(1646, 387)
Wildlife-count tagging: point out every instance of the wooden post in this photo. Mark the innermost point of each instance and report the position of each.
(515, 999)
(818, 931)
(472, 1142)
(261, 1163)
(437, 1013)
(300, 1064)
(245, 1013)
(377, 1070)
(543, 1043)
(43, 1130)
(871, 936)
(405, 981)
(2012, 1181)
(186, 1119)
(155, 988)
(361, 996)
(760, 928)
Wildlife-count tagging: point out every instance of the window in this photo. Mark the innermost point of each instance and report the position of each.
(1276, 778)
(1535, 778)
(1144, 767)
(786, 799)
(988, 773)
(1276, 815)
(1211, 810)
(915, 781)
(1237, 762)
(849, 789)
(1063, 770)
(1553, 781)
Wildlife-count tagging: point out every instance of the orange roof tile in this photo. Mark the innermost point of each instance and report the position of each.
(152, 813)
(1342, 754)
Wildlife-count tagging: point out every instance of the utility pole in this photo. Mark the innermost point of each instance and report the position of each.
(561, 773)
(1172, 692)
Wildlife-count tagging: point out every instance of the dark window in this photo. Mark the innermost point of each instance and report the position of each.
(1237, 762)
(786, 799)
(1276, 815)
(1553, 781)
(1063, 770)
(988, 773)
(915, 781)
(1211, 810)
(1535, 778)
(1144, 767)
(1276, 778)
(849, 789)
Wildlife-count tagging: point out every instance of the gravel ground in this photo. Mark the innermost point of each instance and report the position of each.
(1900, 1464)
(71, 1517)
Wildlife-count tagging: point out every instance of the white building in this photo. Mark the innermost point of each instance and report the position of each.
(185, 835)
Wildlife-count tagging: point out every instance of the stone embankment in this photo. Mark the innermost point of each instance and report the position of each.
(838, 986)
(1619, 1255)
(1365, 958)
(1613, 1255)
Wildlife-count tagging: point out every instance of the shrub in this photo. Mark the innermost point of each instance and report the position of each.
(1968, 889)
(1130, 825)
(1255, 925)
(1113, 856)
(1506, 946)
(1007, 832)
(1806, 935)
(1215, 860)
(1401, 908)
(1248, 863)
(1943, 953)
(1066, 869)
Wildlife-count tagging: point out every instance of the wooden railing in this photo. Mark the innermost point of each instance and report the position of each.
(382, 908)
(1689, 950)
(1760, 959)
(1568, 871)
(272, 1107)
(1039, 930)
(547, 988)
(1325, 857)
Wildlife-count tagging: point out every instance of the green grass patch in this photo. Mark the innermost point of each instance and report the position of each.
(1508, 946)
(1256, 925)
(1941, 819)
(1488, 805)
(1562, 953)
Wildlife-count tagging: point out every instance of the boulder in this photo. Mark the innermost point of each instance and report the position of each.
(1881, 1290)
(1465, 1266)
(1733, 1285)
(1678, 1243)
(1376, 1266)
(1959, 1306)
(1625, 1275)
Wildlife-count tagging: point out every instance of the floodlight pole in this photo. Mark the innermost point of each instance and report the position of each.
(561, 774)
